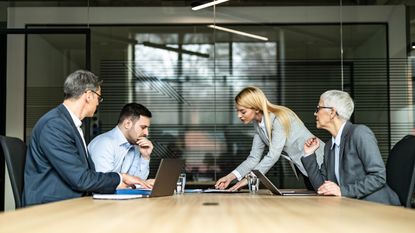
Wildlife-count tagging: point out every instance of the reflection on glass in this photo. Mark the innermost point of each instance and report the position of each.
(189, 83)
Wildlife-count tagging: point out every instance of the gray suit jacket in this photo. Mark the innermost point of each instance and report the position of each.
(361, 168)
(292, 145)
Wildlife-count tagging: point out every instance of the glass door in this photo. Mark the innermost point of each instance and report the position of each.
(34, 63)
(50, 57)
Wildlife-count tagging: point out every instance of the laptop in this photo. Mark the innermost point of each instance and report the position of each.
(282, 192)
(164, 184)
(166, 177)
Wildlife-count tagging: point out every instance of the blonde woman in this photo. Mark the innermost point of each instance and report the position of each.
(275, 126)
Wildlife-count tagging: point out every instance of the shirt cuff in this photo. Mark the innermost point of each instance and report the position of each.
(120, 179)
(305, 154)
(237, 174)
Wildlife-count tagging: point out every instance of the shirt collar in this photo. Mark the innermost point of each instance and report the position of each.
(262, 123)
(75, 119)
(120, 138)
(338, 137)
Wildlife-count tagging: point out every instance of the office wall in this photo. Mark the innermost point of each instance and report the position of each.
(394, 16)
(49, 58)
(3, 11)
(15, 99)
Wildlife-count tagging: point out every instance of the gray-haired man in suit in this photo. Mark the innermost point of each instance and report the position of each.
(353, 166)
(58, 166)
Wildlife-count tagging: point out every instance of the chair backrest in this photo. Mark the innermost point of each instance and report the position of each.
(14, 150)
(400, 169)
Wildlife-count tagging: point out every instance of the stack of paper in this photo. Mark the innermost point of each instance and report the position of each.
(123, 194)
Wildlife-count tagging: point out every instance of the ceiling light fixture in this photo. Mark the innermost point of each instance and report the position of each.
(208, 4)
(177, 50)
(238, 32)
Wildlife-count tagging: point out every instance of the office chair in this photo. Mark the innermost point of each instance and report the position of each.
(400, 169)
(14, 151)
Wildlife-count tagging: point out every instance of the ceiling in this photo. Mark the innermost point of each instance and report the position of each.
(231, 3)
(189, 3)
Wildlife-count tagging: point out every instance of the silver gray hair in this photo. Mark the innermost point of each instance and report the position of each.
(340, 101)
(78, 82)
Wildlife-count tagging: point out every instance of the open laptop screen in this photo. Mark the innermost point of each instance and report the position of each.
(164, 184)
(284, 192)
(166, 177)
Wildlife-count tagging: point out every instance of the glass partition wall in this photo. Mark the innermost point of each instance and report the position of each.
(188, 77)
(188, 74)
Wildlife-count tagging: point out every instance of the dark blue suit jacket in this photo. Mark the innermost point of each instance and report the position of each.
(57, 165)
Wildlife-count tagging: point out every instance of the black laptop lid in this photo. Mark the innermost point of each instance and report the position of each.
(267, 183)
(285, 192)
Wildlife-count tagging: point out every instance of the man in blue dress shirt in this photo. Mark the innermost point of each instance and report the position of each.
(125, 148)
(58, 166)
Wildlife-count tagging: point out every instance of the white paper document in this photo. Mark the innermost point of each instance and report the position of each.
(117, 196)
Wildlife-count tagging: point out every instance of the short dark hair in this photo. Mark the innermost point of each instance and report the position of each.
(133, 110)
(80, 81)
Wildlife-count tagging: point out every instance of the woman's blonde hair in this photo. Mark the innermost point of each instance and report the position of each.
(253, 98)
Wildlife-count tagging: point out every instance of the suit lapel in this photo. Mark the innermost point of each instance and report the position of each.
(263, 133)
(90, 162)
(68, 117)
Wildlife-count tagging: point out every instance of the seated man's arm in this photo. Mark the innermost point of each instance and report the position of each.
(144, 167)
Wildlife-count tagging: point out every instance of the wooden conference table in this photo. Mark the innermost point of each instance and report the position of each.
(211, 213)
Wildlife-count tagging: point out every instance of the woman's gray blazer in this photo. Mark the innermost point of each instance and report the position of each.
(292, 145)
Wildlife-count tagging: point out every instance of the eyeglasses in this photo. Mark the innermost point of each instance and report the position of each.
(100, 98)
(320, 107)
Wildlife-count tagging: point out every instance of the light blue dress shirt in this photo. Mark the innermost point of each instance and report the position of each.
(111, 152)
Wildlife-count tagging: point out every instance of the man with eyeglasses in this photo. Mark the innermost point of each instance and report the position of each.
(58, 165)
(353, 166)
